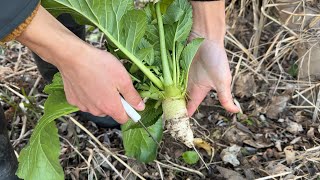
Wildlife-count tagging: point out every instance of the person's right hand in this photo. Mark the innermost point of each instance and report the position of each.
(93, 79)
(94, 82)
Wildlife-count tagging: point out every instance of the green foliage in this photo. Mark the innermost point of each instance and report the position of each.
(149, 116)
(178, 22)
(123, 26)
(40, 158)
(188, 54)
(190, 157)
(132, 34)
(146, 52)
(294, 70)
(56, 9)
(137, 142)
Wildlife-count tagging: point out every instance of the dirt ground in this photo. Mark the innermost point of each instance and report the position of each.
(277, 136)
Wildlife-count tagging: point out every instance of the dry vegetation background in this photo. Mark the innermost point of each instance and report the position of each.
(274, 53)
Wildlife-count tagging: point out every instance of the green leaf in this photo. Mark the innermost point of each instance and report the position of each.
(146, 52)
(164, 5)
(178, 20)
(139, 145)
(172, 15)
(134, 24)
(56, 85)
(149, 116)
(56, 9)
(294, 70)
(180, 47)
(123, 26)
(187, 56)
(190, 157)
(39, 160)
(189, 52)
(152, 36)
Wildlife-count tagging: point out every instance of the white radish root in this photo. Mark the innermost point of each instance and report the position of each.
(177, 120)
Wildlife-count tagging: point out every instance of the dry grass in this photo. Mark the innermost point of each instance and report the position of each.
(259, 44)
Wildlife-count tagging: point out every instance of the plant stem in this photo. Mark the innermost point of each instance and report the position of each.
(178, 68)
(134, 59)
(174, 68)
(164, 58)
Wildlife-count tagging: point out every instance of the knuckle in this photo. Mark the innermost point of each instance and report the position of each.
(105, 108)
(120, 118)
(95, 113)
(126, 82)
(101, 105)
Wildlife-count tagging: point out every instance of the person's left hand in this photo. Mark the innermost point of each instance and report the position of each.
(210, 70)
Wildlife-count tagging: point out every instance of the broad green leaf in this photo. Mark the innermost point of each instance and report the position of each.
(187, 56)
(146, 55)
(149, 116)
(39, 160)
(189, 52)
(172, 15)
(123, 26)
(190, 157)
(56, 9)
(152, 36)
(146, 52)
(164, 5)
(134, 24)
(178, 20)
(139, 145)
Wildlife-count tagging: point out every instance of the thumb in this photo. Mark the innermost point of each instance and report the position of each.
(225, 98)
(131, 95)
(195, 95)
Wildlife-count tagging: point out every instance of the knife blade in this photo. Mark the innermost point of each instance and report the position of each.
(135, 116)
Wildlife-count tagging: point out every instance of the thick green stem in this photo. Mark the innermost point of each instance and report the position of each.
(165, 64)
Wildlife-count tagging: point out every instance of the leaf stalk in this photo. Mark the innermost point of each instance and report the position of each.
(165, 64)
(135, 60)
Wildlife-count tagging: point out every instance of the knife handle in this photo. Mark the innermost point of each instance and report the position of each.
(132, 113)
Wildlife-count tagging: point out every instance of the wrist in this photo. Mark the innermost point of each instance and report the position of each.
(209, 19)
(51, 40)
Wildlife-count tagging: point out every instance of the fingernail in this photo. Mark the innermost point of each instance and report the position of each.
(141, 106)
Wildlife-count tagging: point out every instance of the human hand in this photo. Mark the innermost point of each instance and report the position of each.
(93, 79)
(94, 83)
(210, 70)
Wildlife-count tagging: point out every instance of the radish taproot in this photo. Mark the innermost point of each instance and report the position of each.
(177, 120)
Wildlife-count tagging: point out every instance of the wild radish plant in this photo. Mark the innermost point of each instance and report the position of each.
(155, 40)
